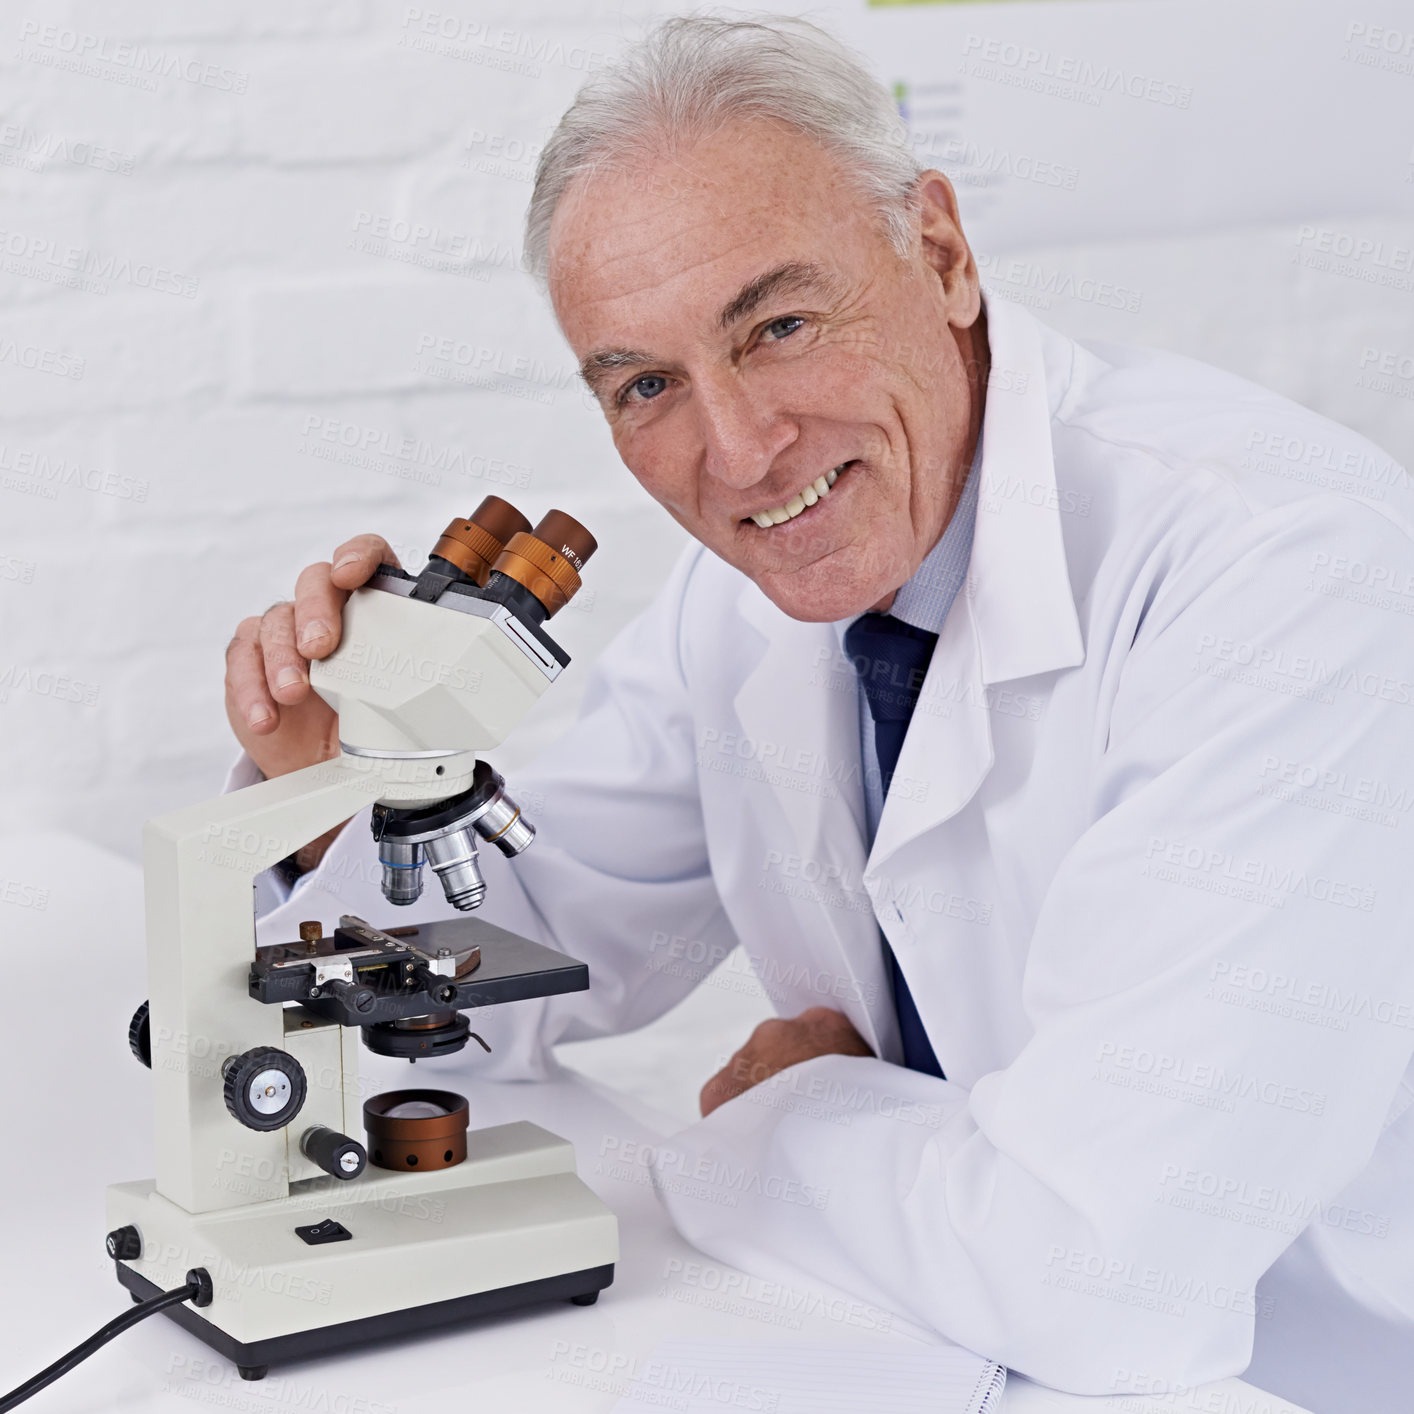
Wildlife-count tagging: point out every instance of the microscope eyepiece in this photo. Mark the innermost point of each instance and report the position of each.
(471, 545)
(548, 559)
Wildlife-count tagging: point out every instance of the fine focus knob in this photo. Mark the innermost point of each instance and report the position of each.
(264, 1088)
(140, 1036)
(335, 1153)
(548, 559)
(473, 544)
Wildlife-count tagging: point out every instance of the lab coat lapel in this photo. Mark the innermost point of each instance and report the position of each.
(798, 705)
(1016, 614)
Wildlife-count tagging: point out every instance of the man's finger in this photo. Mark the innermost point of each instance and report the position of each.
(319, 609)
(355, 560)
(717, 1091)
(286, 671)
(247, 693)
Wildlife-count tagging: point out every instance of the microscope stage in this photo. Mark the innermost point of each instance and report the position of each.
(511, 969)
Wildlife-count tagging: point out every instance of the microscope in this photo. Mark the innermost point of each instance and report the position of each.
(322, 1222)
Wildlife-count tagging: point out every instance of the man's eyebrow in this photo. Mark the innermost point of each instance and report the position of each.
(596, 366)
(784, 279)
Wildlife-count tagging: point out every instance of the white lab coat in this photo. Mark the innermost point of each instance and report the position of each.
(1146, 865)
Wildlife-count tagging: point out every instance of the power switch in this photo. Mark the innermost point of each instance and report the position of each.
(327, 1231)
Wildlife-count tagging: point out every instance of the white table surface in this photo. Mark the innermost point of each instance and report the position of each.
(76, 1116)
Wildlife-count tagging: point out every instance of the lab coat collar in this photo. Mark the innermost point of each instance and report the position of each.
(1018, 584)
(1019, 614)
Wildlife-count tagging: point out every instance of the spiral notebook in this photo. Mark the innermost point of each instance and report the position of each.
(706, 1377)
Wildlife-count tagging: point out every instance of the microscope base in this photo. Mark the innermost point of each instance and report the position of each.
(253, 1359)
(509, 1226)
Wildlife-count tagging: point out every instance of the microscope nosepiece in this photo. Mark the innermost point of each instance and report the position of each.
(443, 835)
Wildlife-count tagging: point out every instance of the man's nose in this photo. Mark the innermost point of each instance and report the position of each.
(741, 435)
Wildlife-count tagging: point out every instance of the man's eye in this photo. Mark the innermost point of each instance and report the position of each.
(649, 386)
(783, 327)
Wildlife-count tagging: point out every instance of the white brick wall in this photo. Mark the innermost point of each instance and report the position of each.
(299, 221)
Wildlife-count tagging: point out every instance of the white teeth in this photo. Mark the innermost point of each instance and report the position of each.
(807, 496)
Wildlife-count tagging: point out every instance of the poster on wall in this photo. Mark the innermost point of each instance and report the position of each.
(1063, 121)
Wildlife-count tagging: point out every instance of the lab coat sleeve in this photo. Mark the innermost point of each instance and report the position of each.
(1215, 980)
(618, 866)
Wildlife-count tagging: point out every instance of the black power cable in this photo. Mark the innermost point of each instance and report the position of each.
(197, 1290)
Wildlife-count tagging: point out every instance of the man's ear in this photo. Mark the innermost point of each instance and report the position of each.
(945, 248)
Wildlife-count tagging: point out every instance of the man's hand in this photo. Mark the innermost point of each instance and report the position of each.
(277, 717)
(776, 1044)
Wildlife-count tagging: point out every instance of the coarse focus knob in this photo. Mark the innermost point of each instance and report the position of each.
(335, 1153)
(124, 1244)
(140, 1036)
(473, 544)
(264, 1088)
(548, 559)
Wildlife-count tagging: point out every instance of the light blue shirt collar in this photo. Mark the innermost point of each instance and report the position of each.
(924, 602)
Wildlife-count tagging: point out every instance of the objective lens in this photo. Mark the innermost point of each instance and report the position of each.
(402, 871)
(453, 859)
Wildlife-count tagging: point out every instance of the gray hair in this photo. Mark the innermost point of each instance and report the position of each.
(692, 74)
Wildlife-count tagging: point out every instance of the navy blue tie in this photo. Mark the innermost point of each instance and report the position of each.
(891, 658)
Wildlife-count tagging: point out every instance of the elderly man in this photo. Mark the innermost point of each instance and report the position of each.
(1017, 721)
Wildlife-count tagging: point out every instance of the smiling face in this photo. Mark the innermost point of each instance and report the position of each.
(801, 399)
